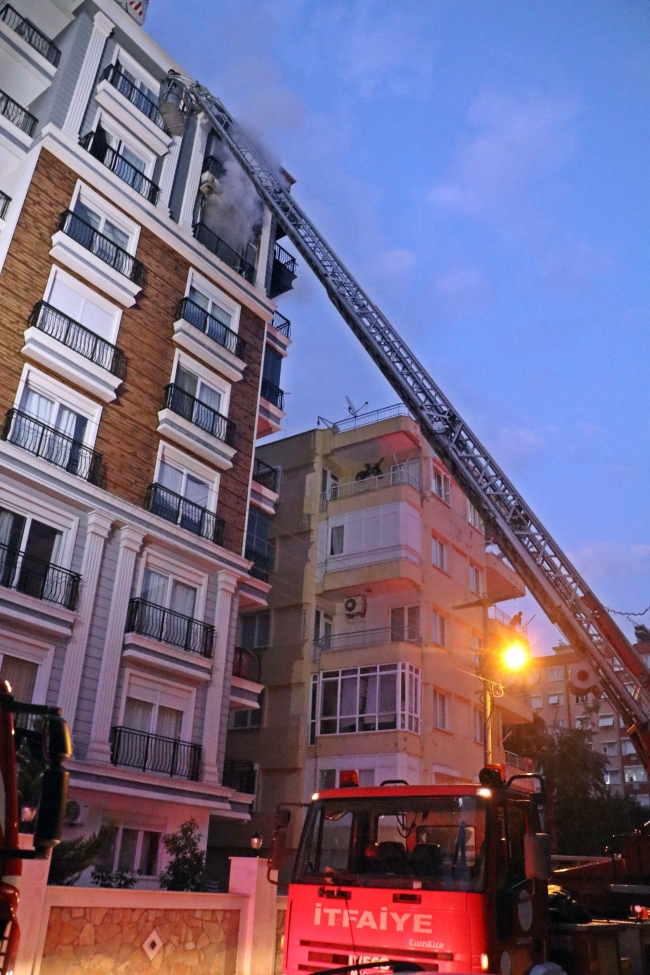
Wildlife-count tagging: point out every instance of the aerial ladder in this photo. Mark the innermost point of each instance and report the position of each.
(556, 585)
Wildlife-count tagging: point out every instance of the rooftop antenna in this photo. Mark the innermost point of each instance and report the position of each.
(352, 410)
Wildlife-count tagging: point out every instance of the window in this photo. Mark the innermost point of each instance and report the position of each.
(536, 702)
(556, 699)
(70, 297)
(254, 630)
(476, 646)
(170, 593)
(560, 723)
(405, 623)
(326, 779)
(610, 748)
(583, 722)
(105, 138)
(337, 539)
(378, 698)
(440, 710)
(556, 673)
(156, 708)
(366, 777)
(247, 717)
(27, 550)
(201, 391)
(131, 850)
(70, 426)
(406, 473)
(534, 677)
(329, 484)
(313, 708)
(605, 720)
(103, 224)
(479, 726)
(213, 308)
(582, 698)
(627, 748)
(635, 773)
(474, 579)
(439, 554)
(474, 517)
(441, 485)
(612, 776)
(322, 629)
(439, 629)
(21, 675)
(187, 485)
(137, 83)
(272, 367)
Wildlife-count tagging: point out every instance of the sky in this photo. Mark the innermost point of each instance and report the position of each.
(481, 168)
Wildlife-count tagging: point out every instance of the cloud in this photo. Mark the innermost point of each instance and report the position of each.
(511, 144)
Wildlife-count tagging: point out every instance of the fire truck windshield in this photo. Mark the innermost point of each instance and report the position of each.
(437, 843)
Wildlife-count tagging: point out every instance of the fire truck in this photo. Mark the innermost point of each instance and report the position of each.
(48, 737)
(465, 833)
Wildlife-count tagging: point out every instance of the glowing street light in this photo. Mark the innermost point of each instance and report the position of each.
(516, 656)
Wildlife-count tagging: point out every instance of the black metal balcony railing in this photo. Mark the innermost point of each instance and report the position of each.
(16, 114)
(177, 509)
(265, 475)
(198, 413)
(211, 326)
(103, 247)
(31, 34)
(272, 393)
(49, 443)
(262, 564)
(51, 321)
(115, 77)
(286, 259)
(281, 324)
(213, 166)
(366, 638)
(4, 204)
(162, 624)
(224, 252)
(124, 170)
(240, 776)
(38, 578)
(247, 665)
(153, 753)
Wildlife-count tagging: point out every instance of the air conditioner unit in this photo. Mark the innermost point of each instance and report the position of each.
(355, 606)
(76, 813)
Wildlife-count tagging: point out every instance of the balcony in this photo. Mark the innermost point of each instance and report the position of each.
(283, 273)
(126, 171)
(262, 564)
(198, 413)
(190, 312)
(17, 115)
(102, 247)
(163, 625)
(34, 577)
(350, 489)
(272, 394)
(240, 776)
(114, 75)
(30, 34)
(4, 204)
(213, 166)
(70, 333)
(194, 425)
(51, 445)
(153, 753)
(178, 510)
(247, 665)
(365, 638)
(265, 475)
(224, 252)
(281, 324)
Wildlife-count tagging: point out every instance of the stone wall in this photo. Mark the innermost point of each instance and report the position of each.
(279, 931)
(140, 941)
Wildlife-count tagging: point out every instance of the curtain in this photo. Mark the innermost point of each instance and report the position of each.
(137, 714)
(21, 675)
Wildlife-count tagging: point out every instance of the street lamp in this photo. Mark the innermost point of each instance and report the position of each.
(256, 842)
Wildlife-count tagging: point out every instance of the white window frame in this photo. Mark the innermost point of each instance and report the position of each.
(408, 709)
(135, 68)
(583, 722)
(537, 701)
(156, 683)
(46, 385)
(445, 497)
(474, 517)
(555, 673)
(627, 748)
(215, 294)
(440, 547)
(208, 376)
(405, 632)
(35, 508)
(178, 572)
(439, 638)
(113, 127)
(475, 579)
(138, 847)
(479, 726)
(82, 289)
(610, 748)
(612, 776)
(438, 697)
(169, 454)
(560, 699)
(14, 644)
(604, 721)
(101, 205)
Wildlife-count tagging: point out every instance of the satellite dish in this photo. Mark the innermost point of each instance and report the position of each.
(352, 409)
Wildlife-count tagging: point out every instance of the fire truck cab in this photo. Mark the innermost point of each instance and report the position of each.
(451, 878)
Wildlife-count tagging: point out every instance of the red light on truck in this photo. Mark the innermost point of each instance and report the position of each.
(348, 779)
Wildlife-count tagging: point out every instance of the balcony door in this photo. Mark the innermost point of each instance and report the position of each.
(169, 614)
(202, 401)
(50, 430)
(27, 550)
(190, 488)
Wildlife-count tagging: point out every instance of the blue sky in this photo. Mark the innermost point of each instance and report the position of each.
(482, 168)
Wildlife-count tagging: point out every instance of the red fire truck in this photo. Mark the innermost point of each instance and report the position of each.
(450, 878)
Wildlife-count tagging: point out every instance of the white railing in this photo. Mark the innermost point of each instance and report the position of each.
(351, 488)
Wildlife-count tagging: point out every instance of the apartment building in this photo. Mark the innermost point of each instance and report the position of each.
(555, 699)
(367, 661)
(140, 360)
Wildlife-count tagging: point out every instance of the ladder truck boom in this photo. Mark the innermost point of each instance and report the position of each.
(540, 562)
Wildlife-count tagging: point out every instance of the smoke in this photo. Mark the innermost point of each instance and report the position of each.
(234, 210)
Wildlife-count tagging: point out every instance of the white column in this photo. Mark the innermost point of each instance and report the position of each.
(194, 171)
(226, 585)
(102, 29)
(168, 172)
(99, 526)
(130, 542)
